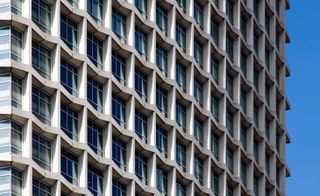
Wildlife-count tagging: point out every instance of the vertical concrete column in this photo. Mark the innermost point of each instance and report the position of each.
(190, 189)
(55, 75)
(206, 18)
(250, 136)
(250, 170)
(82, 5)
(130, 71)
(190, 80)
(223, 184)
(222, 5)
(107, 97)
(130, 26)
(190, 7)
(190, 38)
(82, 81)
(152, 6)
(207, 95)
(237, 88)
(130, 155)
(56, 189)
(27, 51)
(55, 107)
(172, 104)
(152, 170)
(27, 93)
(237, 52)
(131, 188)
(223, 148)
(56, 152)
(273, 131)
(250, 28)
(152, 46)
(262, 119)
(152, 84)
(237, 125)
(262, 154)
(27, 181)
(273, 28)
(83, 125)
(190, 159)
(172, 63)
(190, 119)
(83, 169)
(107, 14)
(172, 182)
(107, 141)
(107, 181)
(152, 129)
(207, 173)
(250, 99)
(83, 27)
(172, 23)
(237, 14)
(130, 113)
(55, 26)
(206, 134)
(27, 9)
(206, 56)
(27, 139)
(107, 54)
(172, 144)
(237, 162)
(223, 72)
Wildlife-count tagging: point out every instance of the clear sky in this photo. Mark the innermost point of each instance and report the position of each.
(303, 89)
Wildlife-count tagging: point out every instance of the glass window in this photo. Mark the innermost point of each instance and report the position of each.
(229, 48)
(119, 67)
(243, 136)
(161, 18)
(73, 3)
(198, 169)
(14, 6)
(256, 115)
(181, 116)
(118, 188)
(215, 144)
(256, 8)
(243, 27)
(94, 93)
(141, 168)
(230, 159)
(182, 4)
(94, 50)
(119, 110)
(198, 94)
(229, 85)
(119, 24)
(69, 122)
(11, 181)
(243, 173)
(229, 10)
(69, 166)
(69, 32)
(256, 185)
(162, 60)
(141, 126)
(198, 130)
(215, 183)
(11, 90)
(95, 180)
(119, 152)
(162, 181)
(95, 9)
(256, 79)
(181, 155)
(95, 138)
(215, 30)
(229, 190)
(41, 15)
(141, 5)
(243, 100)
(215, 69)
(256, 150)
(180, 189)
(181, 76)
(229, 123)
(267, 129)
(11, 137)
(41, 151)
(40, 188)
(11, 44)
(243, 64)
(215, 107)
(161, 141)
(256, 43)
(198, 53)
(198, 14)
(69, 77)
(41, 59)
(141, 41)
(41, 105)
(161, 100)
(141, 84)
(181, 36)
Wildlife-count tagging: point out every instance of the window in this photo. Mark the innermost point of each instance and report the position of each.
(215, 144)
(118, 188)
(267, 59)
(214, 30)
(119, 67)
(256, 8)
(256, 43)
(69, 166)
(161, 99)
(95, 180)
(11, 44)
(69, 77)
(243, 100)
(41, 151)
(182, 4)
(243, 27)
(40, 188)
(181, 155)
(229, 191)
(94, 93)
(230, 159)
(11, 90)
(141, 168)
(181, 76)
(215, 107)
(198, 14)
(243, 64)
(69, 32)
(162, 60)
(267, 129)
(69, 122)
(256, 150)
(267, 24)
(198, 130)
(256, 79)
(94, 50)
(73, 3)
(11, 137)
(41, 105)
(95, 9)
(256, 115)
(256, 185)
(14, 6)
(243, 173)
(180, 189)
(119, 24)
(243, 136)
(119, 153)
(267, 164)
(141, 84)
(229, 85)
(95, 138)
(278, 142)
(229, 47)
(141, 5)
(181, 116)
(278, 70)
(198, 169)
(161, 19)
(141, 126)
(215, 183)
(229, 10)
(11, 181)
(215, 69)
(198, 53)
(119, 110)
(229, 122)
(278, 176)
(41, 15)
(181, 36)
(141, 42)
(161, 141)
(162, 181)
(198, 94)
(41, 59)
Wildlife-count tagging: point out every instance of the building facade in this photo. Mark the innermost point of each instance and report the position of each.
(143, 97)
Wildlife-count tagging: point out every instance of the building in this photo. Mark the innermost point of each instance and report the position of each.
(143, 97)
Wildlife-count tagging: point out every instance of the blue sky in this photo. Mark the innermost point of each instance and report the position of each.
(303, 89)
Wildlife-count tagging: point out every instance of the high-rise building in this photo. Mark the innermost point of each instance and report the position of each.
(143, 97)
